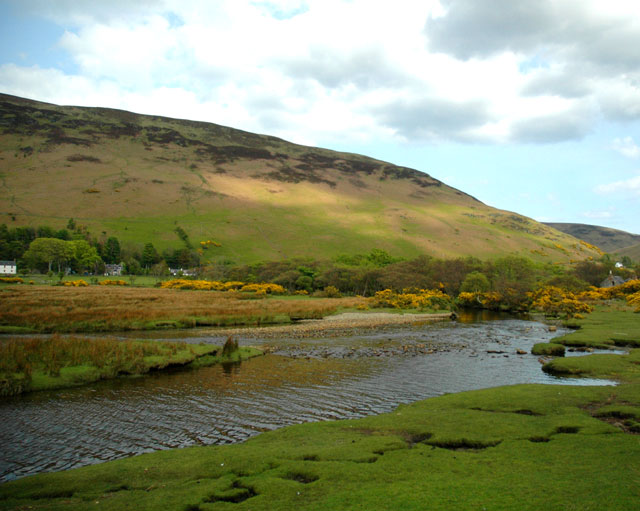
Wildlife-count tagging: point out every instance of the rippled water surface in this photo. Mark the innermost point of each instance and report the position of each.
(301, 380)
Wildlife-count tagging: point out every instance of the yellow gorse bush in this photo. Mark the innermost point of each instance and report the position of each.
(487, 300)
(634, 301)
(267, 288)
(213, 285)
(593, 294)
(556, 301)
(209, 243)
(75, 283)
(419, 299)
(628, 288)
(609, 293)
(203, 285)
(591, 247)
(11, 280)
(560, 247)
(110, 282)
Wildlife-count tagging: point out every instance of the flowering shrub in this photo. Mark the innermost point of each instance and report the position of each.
(591, 247)
(418, 299)
(555, 301)
(329, 292)
(468, 299)
(609, 293)
(228, 286)
(206, 285)
(209, 243)
(109, 282)
(560, 247)
(593, 294)
(75, 283)
(263, 288)
(477, 300)
(634, 301)
(11, 280)
(628, 288)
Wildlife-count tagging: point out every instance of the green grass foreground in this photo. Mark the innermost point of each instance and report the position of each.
(608, 326)
(525, 447)
(34, 364)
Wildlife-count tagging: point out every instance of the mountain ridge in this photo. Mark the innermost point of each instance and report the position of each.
(606, 238)
(140, 176)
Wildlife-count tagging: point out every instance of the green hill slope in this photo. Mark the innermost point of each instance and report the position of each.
(632, 252)
(607, 239)
(260, 197)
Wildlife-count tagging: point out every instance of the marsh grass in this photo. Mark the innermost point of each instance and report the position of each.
(548, 349)
(524, 447)
(114, 308)
(40, 363)
(607, 326)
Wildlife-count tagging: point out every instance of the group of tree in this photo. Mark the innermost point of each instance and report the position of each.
(75, 249)
(511, 276)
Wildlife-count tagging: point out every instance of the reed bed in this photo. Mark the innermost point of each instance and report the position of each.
(40, 363)
(113, 308)
(51, 354)
(28, 364)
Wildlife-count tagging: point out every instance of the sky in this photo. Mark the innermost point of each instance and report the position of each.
(531, 106)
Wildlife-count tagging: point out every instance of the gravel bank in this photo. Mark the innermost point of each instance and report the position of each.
(334, 325)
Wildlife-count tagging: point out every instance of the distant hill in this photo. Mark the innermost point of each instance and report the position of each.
(632, 252)
(139, 177)
(607, 239)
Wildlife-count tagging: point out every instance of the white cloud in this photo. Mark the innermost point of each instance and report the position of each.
(626, 146)
(598, 215)
(627, 187)
(316, 70)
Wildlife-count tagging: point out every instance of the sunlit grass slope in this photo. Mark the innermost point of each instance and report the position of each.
(138, 177)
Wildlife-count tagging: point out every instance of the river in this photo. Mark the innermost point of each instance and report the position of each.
(370, 372)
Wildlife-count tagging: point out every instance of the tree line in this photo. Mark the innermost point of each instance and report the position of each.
(44, 249)
(366, 274)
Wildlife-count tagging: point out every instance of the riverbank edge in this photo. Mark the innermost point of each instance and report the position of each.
(78, 376)
(230, 324)
(466, 451)
(608, 327)
(257, 326)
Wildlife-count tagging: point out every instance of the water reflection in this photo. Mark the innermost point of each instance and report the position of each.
(309, 380)
(477, 315)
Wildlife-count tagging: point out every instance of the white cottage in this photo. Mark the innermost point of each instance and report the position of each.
(8, 268)
(113, 270)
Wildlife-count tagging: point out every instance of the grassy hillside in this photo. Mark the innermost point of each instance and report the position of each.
(632, 251)
(260, 197)
(609, 240)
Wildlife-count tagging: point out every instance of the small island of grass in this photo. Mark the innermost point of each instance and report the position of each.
(31, 364)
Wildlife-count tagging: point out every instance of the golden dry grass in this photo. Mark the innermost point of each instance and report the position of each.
(45, 308)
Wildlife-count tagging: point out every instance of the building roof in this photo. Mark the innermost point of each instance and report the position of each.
(7, 263)
(612, 280)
